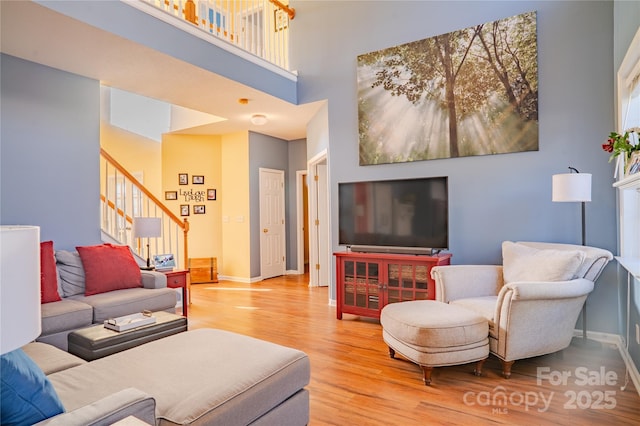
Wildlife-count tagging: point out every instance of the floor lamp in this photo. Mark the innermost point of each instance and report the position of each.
(147, 227)
(574, 187)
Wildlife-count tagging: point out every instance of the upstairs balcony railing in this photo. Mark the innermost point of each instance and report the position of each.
(123, 197)
(260, 27)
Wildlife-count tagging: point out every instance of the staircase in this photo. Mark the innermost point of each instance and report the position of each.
(123, 197)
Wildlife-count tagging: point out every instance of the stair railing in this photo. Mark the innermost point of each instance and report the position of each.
(123, 197)
(260, 27)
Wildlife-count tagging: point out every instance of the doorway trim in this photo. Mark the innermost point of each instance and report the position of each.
(323, 260)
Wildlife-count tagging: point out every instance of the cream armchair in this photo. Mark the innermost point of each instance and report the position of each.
(532, 301)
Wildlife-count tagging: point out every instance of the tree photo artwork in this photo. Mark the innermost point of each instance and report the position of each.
(469, 92)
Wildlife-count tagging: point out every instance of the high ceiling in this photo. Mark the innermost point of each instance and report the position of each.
(38, 34)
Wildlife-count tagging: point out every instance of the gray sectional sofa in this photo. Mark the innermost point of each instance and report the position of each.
(76, 310)
(198, 377)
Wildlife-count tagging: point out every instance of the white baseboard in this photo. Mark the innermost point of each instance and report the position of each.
(254, 279)
(239, 279)
(618, 341)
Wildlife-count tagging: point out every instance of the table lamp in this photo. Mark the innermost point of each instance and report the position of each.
(574, 187)
(147, 227)
(19, 286)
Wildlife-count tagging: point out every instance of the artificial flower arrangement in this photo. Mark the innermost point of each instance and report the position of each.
(626, 143)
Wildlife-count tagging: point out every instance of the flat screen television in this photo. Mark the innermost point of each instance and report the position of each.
(394, 216)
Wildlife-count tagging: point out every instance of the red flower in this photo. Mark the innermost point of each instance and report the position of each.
(608, 146)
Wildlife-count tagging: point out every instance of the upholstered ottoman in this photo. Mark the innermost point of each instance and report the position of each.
(435, 334)
(199, 377)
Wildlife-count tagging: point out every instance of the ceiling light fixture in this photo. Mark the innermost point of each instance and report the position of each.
(259, 119)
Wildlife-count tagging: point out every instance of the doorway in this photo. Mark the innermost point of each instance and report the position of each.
(302, 222)
(319, 222)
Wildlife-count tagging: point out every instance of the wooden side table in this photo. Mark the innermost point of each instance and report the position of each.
(178, 279)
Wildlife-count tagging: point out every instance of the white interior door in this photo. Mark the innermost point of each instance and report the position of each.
(272, 226)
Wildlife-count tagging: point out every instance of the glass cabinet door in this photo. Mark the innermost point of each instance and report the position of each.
(361, 284)
(406, 282)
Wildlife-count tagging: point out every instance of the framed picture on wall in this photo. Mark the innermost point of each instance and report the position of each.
(198, 209)
(280, 19)
(211, 194)
(183, 179)
(197, 180)
(634, 163)
(184, 209)
(170, 195)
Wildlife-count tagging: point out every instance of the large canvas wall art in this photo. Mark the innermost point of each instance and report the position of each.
(469, 92)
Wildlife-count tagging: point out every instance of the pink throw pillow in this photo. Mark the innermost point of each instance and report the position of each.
(108, 267)
(48, 274)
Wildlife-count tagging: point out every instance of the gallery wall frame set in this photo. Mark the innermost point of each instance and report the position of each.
(197, 209)
(185, 209)
(183, 179)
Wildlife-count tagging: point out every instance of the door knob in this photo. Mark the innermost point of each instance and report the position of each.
(265, 230)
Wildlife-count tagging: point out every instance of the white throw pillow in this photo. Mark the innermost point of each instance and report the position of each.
(523, 263)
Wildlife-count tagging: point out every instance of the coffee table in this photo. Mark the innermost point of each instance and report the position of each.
(97, 341)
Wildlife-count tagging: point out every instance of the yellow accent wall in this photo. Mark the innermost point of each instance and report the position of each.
(236, 238)
(201, 156)
(136, 154)
(223, 231)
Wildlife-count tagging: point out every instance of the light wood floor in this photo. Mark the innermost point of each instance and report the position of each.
(354, 382)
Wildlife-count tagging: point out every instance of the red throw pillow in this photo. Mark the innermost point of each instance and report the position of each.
(48, 274)
(108, 267)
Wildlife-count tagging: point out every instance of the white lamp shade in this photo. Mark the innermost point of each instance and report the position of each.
(19, 286)
(147, 227)
(571, 187)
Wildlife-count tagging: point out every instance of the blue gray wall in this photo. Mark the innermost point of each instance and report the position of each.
(492, 198)
(49, 152)
(297, 151)
(271, 153)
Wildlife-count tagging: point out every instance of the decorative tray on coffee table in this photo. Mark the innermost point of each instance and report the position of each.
(128, 322)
